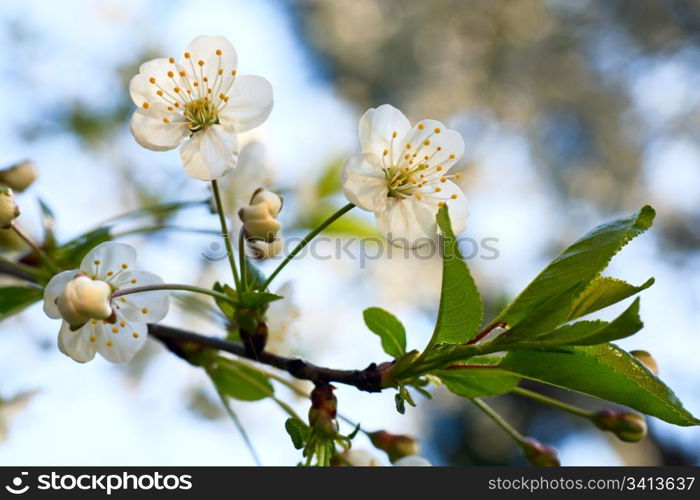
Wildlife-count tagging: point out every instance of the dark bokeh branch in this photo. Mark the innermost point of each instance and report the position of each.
(180, 342)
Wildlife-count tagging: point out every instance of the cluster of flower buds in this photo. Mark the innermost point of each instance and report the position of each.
(540, 455)
(627, 426)
(19, 176)
(322, 414)
(9, 210)
(396, 446)
(261, 225)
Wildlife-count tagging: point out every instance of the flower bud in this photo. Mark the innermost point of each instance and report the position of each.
(9, 210)
(396, 446)
(355, 458)
(323, 411)
(261, 250)
(259, 223)
(540, 455)
(84, 299)
(270, 200)
(19, 177)
(627, 426)
(412, 461)
(647, 360)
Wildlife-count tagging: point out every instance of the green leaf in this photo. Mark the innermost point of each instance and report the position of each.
(254, 300)
(240, 381)
(580, 333)
(14, 299)
(473, 381)
(604, 371)
(460, 311)
(298, 431)
(71, 253)
(389, 329)
(226, 307)
(571, 272)
(604, 291)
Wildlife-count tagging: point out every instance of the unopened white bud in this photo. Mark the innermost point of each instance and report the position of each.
(412, 461)
(9, 210)
(262, 250)
(19, 177)
(84, 299)
(272, 201)
(259, 223)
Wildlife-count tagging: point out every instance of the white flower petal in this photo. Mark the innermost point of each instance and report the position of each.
(119, 342)
(377, 127)
(108, 257)
(144, 307)
(364, 183)
(441, 146)
(458, 208)
(408, 222)
(76, 344)
(412, 461)
(143, 90)
(210, 153)
(152, 132)
(204, 48)
(53, 289)
(250, 103)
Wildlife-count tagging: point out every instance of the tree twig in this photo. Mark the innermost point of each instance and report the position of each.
(177, 340)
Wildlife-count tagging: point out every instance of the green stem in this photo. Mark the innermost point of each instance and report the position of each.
(500, 421)
(37, 249)
(305, 241)
(170, 286)
(241, 259)
(540, 398)
(225, 234)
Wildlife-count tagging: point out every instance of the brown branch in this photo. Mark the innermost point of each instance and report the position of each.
(369, 379)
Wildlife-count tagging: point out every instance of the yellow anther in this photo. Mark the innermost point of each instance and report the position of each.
(122, 299)
(152, 80)
(408, 145)
(419, 196)
(166, 120)
(196, 84)
(171, 74)
(421, 126)
(458, 176)
(144, 310)
(176, 104)
(218, 52)
(97, 262)
(135, 335)
(452, 157)
(110, 273)
(233, 72)
(93, 321)
(159, 92)
(109, 344)
(386, 152)
(394, 134)
(115, 330)
(170, 108)
(437, 130)
(441, 204)
(426, 142)
(183, 73)
(187, 55)
(145, 105)
(438, 189)
(443, 179)
(222, 96)
(200, 62)
(124, 266)
(205, 79)
(133, 281)
(221, 71)
(92, 338)
(438, 168)
(122, 324)
(177, 89)
(453, 196)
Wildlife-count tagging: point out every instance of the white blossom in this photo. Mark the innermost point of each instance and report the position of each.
(401, 174)
(260, 216)
(412, 461)
(281, 319)
(200, 102)
(95, 321)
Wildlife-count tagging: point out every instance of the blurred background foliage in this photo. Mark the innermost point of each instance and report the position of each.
(571, 111)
